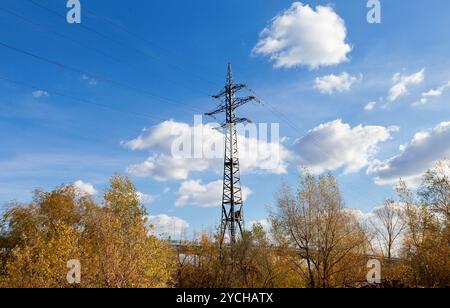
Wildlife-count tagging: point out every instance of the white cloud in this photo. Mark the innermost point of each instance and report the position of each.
(91, 81)
(85, 188)
(163, 164)
(421, 154)
(433, 93)
(336, 144)
(162, 167)
(370, 106)
(402, 82)
(303, 36)
(209, 195)
(146, 199)
(335, 83)
(164, 225)
(39, 93)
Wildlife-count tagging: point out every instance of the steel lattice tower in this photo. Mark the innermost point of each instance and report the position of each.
(232, 203)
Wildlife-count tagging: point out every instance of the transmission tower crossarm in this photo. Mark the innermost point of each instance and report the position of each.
(235, 88)
(238, 102)
(235, 103)
(220, 109)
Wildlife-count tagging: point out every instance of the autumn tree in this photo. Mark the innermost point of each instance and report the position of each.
(435, 189)
(426, 250)
(129, 256)
(111, 241)
(251, 262)
(46, 237)
(254, 259)
(329, 242)
(388, 224)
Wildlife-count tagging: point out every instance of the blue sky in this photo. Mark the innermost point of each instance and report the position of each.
(47, 140)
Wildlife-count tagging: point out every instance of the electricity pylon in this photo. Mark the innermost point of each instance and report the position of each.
(232, 203)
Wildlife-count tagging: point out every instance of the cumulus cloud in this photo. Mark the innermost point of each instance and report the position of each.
(370, 106)
(402, 82)
(433, 93)
(336, 144)
(162, 165)
(39, 93)
(178, 149)
(335, 83)
(85, 188)
(329, 146)
(421, 154)
(304, 36)
(208, 195)
(167, 226)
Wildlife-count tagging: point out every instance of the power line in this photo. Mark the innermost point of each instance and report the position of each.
(276, 112)
(88, 47)
(118, 42)
(145, 40)
(98, 77)
(78, 99)
(264, 103)
(61, 35)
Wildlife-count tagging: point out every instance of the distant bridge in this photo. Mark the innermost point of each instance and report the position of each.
(189, 248)
(186, 248)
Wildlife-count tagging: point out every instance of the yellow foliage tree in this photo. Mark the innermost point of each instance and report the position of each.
(328, 243)
(110, 241)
